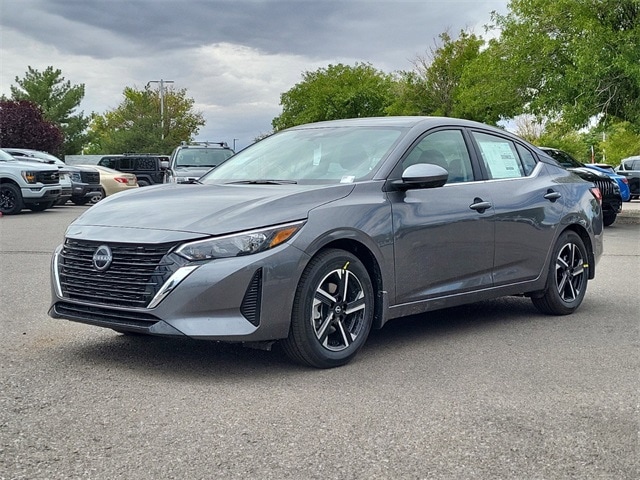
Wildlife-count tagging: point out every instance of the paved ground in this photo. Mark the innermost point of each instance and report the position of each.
(490, 391)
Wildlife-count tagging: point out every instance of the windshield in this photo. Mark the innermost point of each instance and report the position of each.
(4, 156)
(312, 155)
(564, 159)
(201, 157)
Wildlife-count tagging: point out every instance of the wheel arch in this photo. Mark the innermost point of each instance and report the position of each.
(586, 239)
(369, 260)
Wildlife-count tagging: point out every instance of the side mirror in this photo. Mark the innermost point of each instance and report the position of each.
(164, 164)
(422, 175)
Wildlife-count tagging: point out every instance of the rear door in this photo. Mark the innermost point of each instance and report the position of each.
(528, 206)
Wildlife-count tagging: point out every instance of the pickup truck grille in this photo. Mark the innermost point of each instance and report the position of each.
(90, 177)
(607, 187)
(136, 273)
(48, 177)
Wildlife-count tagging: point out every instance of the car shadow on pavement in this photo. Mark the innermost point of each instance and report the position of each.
(199, 359)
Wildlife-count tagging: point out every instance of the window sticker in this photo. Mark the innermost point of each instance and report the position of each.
(500, 159)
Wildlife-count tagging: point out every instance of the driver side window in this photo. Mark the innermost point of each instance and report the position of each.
(447, 149)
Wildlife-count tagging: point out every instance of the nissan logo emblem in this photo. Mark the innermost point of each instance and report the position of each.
(102, 258)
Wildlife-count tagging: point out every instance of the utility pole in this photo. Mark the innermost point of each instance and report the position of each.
(161, 82)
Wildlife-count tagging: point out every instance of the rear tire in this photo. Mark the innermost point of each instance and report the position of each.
(10, 199)
(332, 311)
(143, 183)
(567, 277)
(609, 218)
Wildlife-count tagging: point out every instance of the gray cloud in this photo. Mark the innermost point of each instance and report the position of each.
(232, 56)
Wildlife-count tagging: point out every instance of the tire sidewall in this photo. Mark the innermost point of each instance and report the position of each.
(563, 306)
(14, 191)
(303, 304)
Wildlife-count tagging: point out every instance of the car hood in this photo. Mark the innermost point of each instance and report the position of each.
(196, 210)
(30, 165)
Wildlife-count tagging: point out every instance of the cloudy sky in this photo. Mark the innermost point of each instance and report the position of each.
(233, 57)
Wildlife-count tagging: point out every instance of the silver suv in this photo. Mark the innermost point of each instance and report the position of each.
(189, 161)
(27, 184)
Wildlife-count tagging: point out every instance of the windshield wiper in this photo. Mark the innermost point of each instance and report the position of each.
(265, 182)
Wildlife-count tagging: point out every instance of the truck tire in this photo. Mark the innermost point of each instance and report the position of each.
(10, 199)
(40, 206)
(608, 218)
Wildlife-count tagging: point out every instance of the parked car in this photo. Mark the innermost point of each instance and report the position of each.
(65, 175)
(84, 183)
(611, 195)
(621, 180)
(318, 233)
(189, 161)
(26, 184)
(113, 181)
(630, 168)
(149, 168)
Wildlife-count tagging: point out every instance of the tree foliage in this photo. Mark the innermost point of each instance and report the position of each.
(22, 125)
(137, 124)
(433, 87)
(338, 91)
(568, 58)
(58, 100)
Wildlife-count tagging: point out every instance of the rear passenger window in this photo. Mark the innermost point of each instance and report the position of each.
(502, 158)
(527, 159)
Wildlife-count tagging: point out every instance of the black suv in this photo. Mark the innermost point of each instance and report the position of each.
(189, 161)
(83, 184)
(149, 168)
(611, 196)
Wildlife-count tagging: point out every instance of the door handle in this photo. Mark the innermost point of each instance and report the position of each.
(480, 205)
(552, 195)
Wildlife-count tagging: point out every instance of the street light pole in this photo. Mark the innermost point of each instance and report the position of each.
(161, 82)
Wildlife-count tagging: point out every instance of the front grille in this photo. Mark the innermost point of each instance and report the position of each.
(48, 178)
(606, 187)
(90, 177)
(136, 273)
(104, 316)
(250, 307)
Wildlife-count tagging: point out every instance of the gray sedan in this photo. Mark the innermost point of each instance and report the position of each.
(315, 235)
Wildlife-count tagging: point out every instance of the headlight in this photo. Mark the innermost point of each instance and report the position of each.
(29, 177)
(245, 243)
(75, 177)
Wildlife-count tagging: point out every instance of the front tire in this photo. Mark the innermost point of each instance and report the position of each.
(40, 206)
(332, 311)
(10, 199)
(567, 277)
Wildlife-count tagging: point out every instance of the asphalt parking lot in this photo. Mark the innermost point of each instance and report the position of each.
(493, 390)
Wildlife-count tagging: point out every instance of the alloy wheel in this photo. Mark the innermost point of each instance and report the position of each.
(570, 272)
(338, 311)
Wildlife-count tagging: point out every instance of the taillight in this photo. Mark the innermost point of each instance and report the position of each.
(624, 180)
(597, 194)
(120, 179)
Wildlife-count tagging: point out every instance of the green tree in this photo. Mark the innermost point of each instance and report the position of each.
(338, 91)
(137, 124)
(58, 100)
(436, 84)
(574, 59)
(617, 141)
(22, 126)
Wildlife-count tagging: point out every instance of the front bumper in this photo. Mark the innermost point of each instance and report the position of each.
(240, 299)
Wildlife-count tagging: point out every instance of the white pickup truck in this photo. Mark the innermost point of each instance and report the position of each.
(27, 184)
(630, 168)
